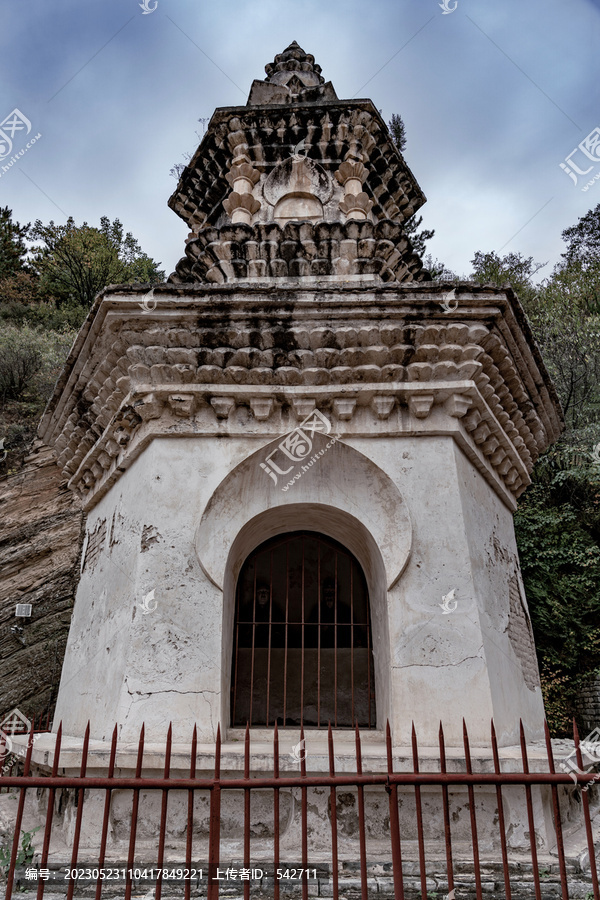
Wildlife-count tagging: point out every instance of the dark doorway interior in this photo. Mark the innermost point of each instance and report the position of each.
(302, 650)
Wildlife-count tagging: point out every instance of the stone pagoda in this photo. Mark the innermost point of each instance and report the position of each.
(300, 457)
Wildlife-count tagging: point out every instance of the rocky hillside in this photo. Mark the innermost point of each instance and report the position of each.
(41, 533)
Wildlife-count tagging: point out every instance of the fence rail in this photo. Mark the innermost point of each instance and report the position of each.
(389, 781)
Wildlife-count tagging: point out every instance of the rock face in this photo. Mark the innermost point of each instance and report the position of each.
(40, 544)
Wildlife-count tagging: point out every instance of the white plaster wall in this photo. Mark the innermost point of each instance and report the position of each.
(449, 666)
(173, 664)
(438, 668)
(343, 495)
(494, 558)
(165, 665)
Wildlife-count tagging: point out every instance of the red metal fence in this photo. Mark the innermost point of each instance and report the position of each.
(400, 885)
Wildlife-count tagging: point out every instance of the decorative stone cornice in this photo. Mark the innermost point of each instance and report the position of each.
(250, 362)
(300, 250)
(268, 135)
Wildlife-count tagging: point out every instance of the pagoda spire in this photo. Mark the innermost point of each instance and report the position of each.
(297, 184)
(292, 77)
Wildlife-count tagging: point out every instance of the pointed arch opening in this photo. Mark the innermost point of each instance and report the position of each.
(302, 640)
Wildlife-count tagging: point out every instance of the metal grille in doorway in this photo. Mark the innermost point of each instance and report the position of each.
(302, 651)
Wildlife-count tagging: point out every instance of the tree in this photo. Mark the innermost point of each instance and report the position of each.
(12, 244)
(75, 262)
(411, 226)
(513, 269)
(581, 260)
(559, 549)
(20, 362)
(583, 239)
(417, 238)
(566, 321)
(439, 271)
(398, 131)
(569, 337)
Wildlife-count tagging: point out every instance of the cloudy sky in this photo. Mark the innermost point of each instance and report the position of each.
(494, 95)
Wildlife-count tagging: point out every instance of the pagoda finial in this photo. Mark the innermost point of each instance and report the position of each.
(292, 77)
(294, 59)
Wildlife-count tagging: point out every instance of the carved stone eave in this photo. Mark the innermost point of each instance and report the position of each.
(380, 361)
(329, 128)
(341, 251)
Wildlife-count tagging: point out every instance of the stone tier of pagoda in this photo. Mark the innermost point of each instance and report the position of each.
(297, 154)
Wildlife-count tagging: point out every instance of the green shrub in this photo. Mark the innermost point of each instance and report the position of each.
(557, 528)
(24, 854)
(43, 314)
(30, 362)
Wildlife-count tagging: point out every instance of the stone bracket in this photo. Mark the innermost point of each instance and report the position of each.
(420, 405)
(424, 408)
(343, 408)
(303, 406)
(222, 406)
(262, 407)
(383, 406)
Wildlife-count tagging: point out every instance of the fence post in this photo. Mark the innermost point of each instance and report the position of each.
(214, 833)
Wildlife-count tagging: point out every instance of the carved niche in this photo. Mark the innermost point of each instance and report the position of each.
(298, 190)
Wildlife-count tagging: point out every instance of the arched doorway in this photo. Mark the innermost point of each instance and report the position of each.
(302, 647)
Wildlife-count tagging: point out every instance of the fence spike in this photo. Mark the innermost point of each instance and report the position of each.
(193, 751)
(415, 750)
(247, 752)
(419, 812)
